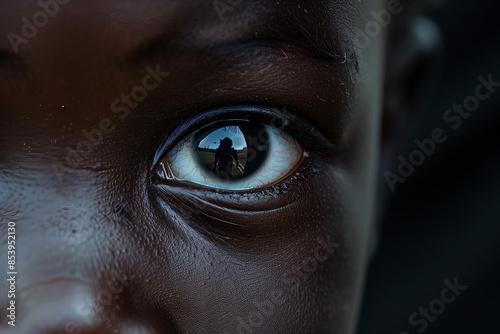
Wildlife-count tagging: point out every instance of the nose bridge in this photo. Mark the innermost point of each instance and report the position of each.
(56, 254)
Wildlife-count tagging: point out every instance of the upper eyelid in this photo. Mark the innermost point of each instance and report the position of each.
(296, 125)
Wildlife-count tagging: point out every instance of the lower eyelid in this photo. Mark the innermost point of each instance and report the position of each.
(244, 200)
(229, 210)
(244, 217)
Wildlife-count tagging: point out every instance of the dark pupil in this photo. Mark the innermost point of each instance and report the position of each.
(233, 151)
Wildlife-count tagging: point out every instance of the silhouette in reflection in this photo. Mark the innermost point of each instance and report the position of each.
(226, 159)
(231, 152)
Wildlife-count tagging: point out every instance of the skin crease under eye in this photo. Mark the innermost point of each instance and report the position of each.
(285, 157)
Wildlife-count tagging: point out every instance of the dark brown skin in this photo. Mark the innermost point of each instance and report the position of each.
(103, 244)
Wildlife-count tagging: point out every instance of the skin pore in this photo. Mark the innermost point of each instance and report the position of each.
(104, 243)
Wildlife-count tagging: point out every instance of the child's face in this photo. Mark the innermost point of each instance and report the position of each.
(118, 227)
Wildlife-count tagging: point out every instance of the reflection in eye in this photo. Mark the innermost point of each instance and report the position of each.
(234, 155)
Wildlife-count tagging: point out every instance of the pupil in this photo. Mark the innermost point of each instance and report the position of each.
(233, 151)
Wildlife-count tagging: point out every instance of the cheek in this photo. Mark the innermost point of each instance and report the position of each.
(255, 280)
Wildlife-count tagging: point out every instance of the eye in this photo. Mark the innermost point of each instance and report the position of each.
(234, 155)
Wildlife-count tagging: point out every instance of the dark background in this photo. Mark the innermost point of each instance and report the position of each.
(444, 221)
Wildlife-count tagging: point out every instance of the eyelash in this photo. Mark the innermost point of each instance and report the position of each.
(282, 118)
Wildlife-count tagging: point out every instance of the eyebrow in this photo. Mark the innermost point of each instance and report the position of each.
(310, 34)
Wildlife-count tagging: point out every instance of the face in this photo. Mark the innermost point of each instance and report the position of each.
(134, 213)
